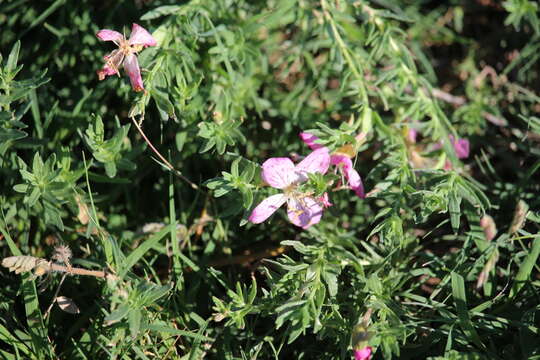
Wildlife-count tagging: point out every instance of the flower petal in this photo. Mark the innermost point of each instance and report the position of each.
(317, 161)
(325, 200)
(113, 61)
(412, 135)
(139, 36)
(309, 140)
(355, 181)
(342, 160)
(304, 212)
(106, 71)
(134, 72)
(363, 354)
(353, 178)
(278, 172)
(266, 208)
(109, 35)
(461, 146)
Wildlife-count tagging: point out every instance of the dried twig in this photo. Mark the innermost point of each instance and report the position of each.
(55, 295)
(20, 264)
(167, 163)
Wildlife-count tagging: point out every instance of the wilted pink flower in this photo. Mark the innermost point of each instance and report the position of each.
(126, 53)
(302, 209)
(363, 354)
(342, 162)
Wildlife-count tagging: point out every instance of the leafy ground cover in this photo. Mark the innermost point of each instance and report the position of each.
(281, 179)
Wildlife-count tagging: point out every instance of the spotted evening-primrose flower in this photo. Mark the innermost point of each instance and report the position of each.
(303, 209)
(342, 160)
(126, 54)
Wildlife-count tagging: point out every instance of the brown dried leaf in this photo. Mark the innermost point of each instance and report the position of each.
(83, 214)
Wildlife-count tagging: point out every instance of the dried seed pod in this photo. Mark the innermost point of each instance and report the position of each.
(21, 264)
(67, 305)
(83, 214)
(152, 227)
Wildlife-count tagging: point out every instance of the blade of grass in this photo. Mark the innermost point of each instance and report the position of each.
(95, 219)
(142, 249)
(460, 300)
(7, 336)
(526, 268)
(36, 113)
(34, 317)
(177, 264)
(197, 342)
(176, 332)
(44, 15)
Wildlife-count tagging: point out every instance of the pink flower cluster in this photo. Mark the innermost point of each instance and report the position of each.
(303, 209)
(126, 54)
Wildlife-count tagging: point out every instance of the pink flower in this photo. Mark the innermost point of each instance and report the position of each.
(411, 136)
(126, 53)
(342, 162)
(363, 354)
(461, 147)
(302, 209)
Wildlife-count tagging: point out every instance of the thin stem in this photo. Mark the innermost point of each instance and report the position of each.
(345, 50)
(55, 295)
(169, 165)
(80, 271)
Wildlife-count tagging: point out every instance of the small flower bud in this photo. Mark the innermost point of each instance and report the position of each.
(519, 216)
(489, 227)
(484, 274)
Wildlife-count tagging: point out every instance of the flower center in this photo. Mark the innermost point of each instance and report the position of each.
(126, 48)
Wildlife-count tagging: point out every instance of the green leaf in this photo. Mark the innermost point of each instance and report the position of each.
(11, 134)
(13, 57)
(110, 169)
(460, 301)
(454, 202)
(176, 332)
(526, 268)
(134, 320)
(141, 250)
(117, 314)
(161, 11)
